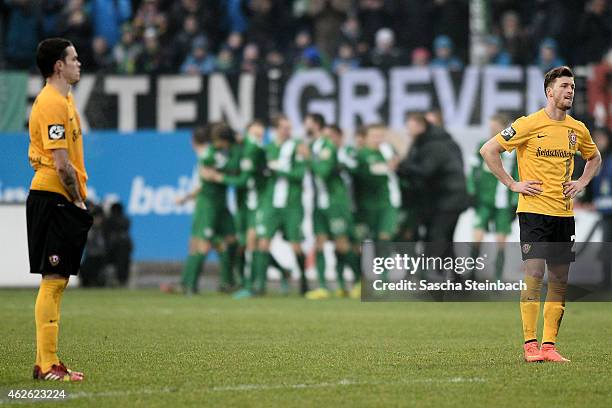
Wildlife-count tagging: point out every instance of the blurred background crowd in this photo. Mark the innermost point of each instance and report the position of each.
(230, 36)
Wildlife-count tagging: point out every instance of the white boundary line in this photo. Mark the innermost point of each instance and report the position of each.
(247, 387)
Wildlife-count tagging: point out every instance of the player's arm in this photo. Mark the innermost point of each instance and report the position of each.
(189, 196)
(68, 176)
(491, 152)
(571, 188)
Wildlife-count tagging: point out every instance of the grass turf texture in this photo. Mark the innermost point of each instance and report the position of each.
(144, 348)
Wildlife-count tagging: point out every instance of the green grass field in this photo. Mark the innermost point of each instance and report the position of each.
(147, 349)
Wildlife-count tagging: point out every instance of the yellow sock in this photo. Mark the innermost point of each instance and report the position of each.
(530, 307)
(554, 307)
(46, 313)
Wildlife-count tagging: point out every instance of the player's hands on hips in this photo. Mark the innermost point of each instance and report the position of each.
(571, 188)
(527, 187)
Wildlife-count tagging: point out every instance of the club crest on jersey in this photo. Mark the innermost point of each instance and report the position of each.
(508, 133)
(56, 132)
(54, 260)
(571, 137)
(526, 248)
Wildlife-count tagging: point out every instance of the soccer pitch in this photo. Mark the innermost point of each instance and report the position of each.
(143, 348)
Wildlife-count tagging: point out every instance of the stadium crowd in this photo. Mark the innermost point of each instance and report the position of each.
(203, 36)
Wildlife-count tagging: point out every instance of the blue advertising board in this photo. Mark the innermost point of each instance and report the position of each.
(145, 170)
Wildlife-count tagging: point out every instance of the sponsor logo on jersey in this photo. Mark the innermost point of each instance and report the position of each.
(526, 248)
(56, 132)
(553, 153)
(508, 133)
(54, 260)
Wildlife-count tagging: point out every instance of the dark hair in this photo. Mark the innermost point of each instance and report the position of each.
(201, 134)
(361, 131)
(419, 117)
(318, 118)
(222, 131)
(50, 51)
(335, 128)
(549, 78)
(276, 119)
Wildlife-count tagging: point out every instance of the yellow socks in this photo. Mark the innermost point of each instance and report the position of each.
(46, 313)
(530, 307)
(554, 306)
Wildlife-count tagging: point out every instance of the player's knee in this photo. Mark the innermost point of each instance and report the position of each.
(297, 248)
(534, 267)
(342, 245)
(320, 242)
(384, 236)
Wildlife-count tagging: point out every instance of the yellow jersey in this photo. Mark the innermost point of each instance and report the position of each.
(55, 124)
(545, 150)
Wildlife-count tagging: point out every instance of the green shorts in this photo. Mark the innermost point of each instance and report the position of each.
(501, 217)
(244, 220)
(269, 220)
(381, 221)
(361, 230)
(210, 221)
(335, 222)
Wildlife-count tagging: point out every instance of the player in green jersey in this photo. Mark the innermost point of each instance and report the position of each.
(280, 207)
(208, 227)
(329, 216)
(494, 203)
(347, 247)
(377, 162)
(248, 182)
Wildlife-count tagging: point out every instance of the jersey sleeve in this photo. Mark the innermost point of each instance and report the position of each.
(53, 124)
(514, 135)
(587, 147)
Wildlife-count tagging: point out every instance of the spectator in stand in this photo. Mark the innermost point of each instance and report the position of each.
(236, 18)
(250, 59)
(147, 16)
(443, 50)
(275, 60)
(548, 58)
(514, 40)
(75, 26)
(108, 17)
(384, 54)
(327, 17)
(302, 41)
(51, 12)
(451, 18)
(199, 61)
(126, 52)
(183, 41)
(373, 16)
(594, 32)
(22, 33)
(225, 61)
(234, 43)
(267, 21)
(102, 57)
(311, 58)
(420, 57)
(179, 11)
(549, 19)
(350, 32)
(346, 59)
(495, 54)
(152, 60)
(600, 92)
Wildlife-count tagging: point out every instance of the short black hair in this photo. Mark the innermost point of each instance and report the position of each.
(335, 128)
(549, 78)
(222, 131)
(276, 119)
(318, 118)
(201, 134)
(50, 51)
